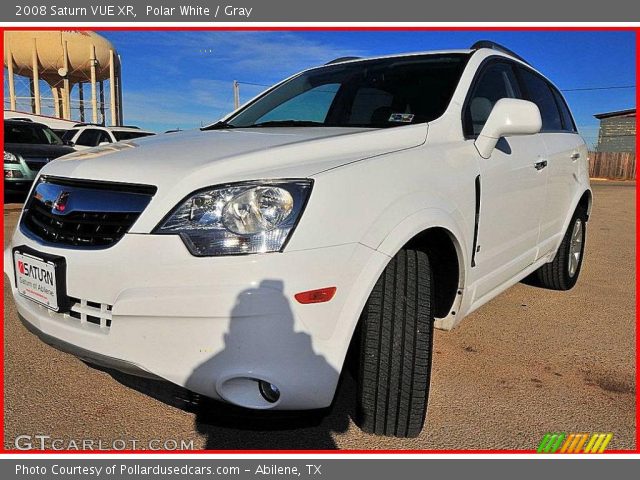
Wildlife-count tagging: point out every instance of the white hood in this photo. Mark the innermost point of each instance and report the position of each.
(180, 163)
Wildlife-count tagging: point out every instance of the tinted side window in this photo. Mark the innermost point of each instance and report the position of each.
(124, 135)
(495, 82)
(567, 120)
(538, 92)
(104, 137)
(68, 135)
(21, 134)
(89, 138)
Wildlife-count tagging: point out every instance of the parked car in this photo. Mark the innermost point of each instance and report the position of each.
(28, 146)
(83, 136)
(357, 204)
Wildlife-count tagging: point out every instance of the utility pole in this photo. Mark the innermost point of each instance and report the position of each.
(236, 95)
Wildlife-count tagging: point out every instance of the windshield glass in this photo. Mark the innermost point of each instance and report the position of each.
(30, 133)
(371, 93)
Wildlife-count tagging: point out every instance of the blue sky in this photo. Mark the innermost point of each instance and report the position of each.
(184, 79)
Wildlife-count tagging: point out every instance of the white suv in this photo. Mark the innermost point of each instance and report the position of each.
(83, 136)
(360, 203)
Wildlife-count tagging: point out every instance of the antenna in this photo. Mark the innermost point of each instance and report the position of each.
(342, 59)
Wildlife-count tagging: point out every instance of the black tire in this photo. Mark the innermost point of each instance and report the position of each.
(396, 339)
(557, 275)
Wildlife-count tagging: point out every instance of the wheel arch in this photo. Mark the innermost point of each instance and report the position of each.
(586, 202)
(438, 234)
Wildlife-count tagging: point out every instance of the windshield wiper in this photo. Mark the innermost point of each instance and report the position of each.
(288, 123)
(221, 125)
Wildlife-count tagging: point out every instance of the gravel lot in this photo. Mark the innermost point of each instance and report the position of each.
(529, 362)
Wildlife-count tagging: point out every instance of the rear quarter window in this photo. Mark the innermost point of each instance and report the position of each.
(567, 119)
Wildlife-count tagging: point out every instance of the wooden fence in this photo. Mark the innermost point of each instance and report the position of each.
(612, 165)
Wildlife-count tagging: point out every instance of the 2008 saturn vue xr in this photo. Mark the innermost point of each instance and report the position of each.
(354, 205)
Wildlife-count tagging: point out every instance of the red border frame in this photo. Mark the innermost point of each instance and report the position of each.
(328, 28)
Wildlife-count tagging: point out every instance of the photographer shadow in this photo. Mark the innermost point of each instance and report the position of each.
(274, 342)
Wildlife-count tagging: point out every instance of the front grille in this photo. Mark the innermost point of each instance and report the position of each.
(90, 312)
(83, 214)
(78, 228)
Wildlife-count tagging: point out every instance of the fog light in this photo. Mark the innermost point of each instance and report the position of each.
(269, 391)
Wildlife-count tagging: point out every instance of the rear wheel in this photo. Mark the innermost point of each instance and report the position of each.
(562, 273)
(396, 347)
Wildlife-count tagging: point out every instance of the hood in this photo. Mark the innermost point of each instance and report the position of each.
(180, 163)
(202, 158)
(29, 150)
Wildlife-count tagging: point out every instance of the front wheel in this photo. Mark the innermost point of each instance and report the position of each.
(396, 348)
(562, 273)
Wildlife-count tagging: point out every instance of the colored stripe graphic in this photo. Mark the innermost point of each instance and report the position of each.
(550, 442)
(591, 443)
(568, 443)
(574, 443)
(581, 443)
(598, 442)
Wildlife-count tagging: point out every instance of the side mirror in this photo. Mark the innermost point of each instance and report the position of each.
(102, 144)
(69, 143)
(509, 116)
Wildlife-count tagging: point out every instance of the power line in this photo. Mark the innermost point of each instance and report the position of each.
(254, 84)
(588, 89)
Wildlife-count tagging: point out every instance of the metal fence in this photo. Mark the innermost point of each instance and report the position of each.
(612, 165)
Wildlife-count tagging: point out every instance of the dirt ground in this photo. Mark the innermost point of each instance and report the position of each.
(530, 362)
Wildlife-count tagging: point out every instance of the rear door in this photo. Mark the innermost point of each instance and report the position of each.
(565, 153)
(511, 190)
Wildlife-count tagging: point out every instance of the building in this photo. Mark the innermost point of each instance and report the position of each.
(617, 131)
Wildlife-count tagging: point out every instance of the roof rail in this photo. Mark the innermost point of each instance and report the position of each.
(87, 124)
(342, 59)
(496, 46)
(21, 119)
(126, 126)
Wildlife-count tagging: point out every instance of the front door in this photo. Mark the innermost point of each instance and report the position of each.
(511, 187)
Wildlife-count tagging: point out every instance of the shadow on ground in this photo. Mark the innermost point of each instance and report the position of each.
(227, 427)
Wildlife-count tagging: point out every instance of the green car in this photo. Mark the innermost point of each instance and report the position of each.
(28, 146)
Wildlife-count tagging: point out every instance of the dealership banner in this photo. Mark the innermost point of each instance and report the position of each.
(73, 11)
(318, 468)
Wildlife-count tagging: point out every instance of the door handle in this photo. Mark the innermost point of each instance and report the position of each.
(575, 156)
(540, 164)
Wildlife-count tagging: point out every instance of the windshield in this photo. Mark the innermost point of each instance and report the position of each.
(30, 133)
(371, 93)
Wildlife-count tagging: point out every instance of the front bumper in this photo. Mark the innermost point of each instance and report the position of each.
(213, 325)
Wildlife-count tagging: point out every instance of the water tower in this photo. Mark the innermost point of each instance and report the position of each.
(64, 59)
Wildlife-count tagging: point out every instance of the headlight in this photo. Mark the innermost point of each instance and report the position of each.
(239, 218)
(10, 158)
